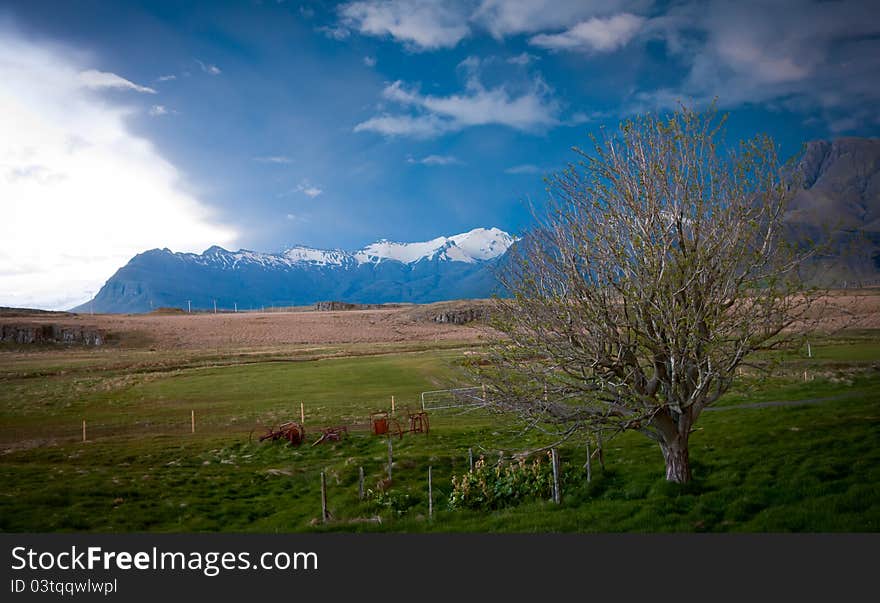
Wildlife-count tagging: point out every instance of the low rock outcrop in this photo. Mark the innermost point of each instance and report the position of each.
(50, 333)
(461, 316)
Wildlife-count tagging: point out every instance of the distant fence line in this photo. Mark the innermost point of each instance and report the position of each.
(195, 421)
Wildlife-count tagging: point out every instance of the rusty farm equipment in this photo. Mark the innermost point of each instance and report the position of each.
(382, 423)
(292, 431)
(418, 421)
(332, 434)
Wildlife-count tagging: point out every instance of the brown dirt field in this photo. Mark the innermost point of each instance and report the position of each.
(850, 309)
(269, 329)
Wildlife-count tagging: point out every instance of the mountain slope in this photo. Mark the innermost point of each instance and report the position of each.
(839, 206)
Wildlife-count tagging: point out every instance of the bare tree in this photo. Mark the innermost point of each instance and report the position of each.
(657, 271)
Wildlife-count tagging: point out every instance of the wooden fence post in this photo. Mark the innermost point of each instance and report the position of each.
(471, 458)
(302, 413)
(600, 450)
(392, 405)
(390, 458)
(554, 459)
(430, 496)
(193, 420)
(325, 514)
(84, 430)
(360, 483)
(589, 465)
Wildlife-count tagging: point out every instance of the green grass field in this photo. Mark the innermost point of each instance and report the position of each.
(813, 467)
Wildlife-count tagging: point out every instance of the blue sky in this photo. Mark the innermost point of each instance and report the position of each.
(133, 125)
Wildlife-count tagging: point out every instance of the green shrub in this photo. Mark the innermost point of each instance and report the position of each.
(502, 484)
(398, 503)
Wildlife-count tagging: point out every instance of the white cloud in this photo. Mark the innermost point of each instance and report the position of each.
(419, 24)
(526, 168)
(280, 159)
(523, 58)
(511, 17)
(337, 33)
(308, 189)
(421, 126)
(208, 68)
(531, 110)
(596, 34)
(166, 78)
(96, 80)
(158, 110)
(436, 160)
(370, 61)
(81, 194)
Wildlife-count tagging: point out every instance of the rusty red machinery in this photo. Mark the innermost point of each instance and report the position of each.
(382, 423)
(418, 421)
(332, 434)
(292, 431)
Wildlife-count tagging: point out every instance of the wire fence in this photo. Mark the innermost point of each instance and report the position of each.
(461, 397)
(126, 425)
(181, 422)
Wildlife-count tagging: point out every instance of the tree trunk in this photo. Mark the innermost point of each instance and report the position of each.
(678, 466)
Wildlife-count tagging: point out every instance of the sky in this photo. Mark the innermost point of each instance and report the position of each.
(127, 126)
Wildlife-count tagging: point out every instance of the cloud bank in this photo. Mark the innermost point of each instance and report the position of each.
(596, 34)
(81, 194)
(532, 109)
(815, 57)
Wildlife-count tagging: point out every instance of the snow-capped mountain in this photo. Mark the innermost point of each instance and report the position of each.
(453, 267)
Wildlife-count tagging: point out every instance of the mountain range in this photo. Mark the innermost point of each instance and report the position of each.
(837, 203)
(455, 267)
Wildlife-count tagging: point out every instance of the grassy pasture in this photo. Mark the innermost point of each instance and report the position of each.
(813, 467)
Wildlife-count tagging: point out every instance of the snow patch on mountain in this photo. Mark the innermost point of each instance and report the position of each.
(321, 257)
(477, 245)
(484, 243)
